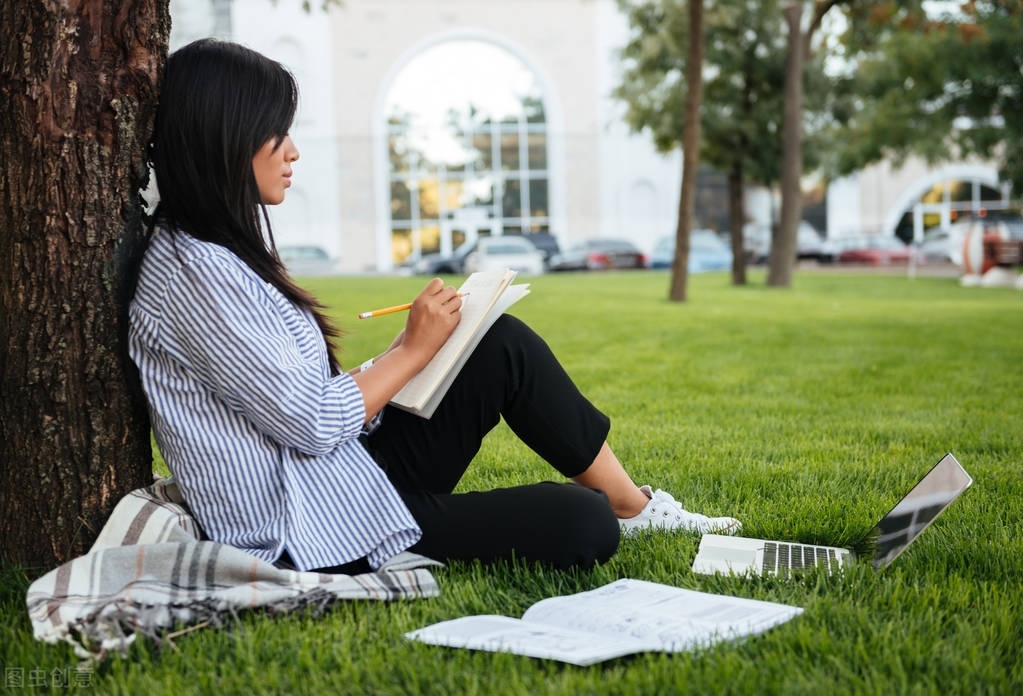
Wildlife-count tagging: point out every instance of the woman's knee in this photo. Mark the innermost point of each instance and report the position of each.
(591, 529)
(511, 336)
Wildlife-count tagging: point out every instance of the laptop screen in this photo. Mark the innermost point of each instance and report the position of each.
(911, 515)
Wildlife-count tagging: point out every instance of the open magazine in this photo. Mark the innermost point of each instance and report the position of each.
(488, 295)
(624, 617)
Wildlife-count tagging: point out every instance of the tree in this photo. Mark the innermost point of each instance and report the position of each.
(655, 87)
(79, 82)
(690, 153)
(742, 104)
(800, 42)
(783, 237)
(942, 87)
(742, 97)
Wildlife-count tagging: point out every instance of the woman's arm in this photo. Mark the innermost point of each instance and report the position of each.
(435, 313)
(224, 328)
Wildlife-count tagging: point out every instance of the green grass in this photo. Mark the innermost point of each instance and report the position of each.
(806, 412)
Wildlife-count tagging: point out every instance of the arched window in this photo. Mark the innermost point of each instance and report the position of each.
(467, 149)
(949, 200)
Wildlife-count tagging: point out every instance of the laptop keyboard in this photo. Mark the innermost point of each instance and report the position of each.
(781, 556)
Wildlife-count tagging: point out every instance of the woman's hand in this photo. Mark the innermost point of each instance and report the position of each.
(435, 313)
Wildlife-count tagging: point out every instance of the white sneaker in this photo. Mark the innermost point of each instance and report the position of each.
(663, 512)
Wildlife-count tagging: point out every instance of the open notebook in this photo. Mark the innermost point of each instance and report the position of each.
(489, 294)
(889, 537)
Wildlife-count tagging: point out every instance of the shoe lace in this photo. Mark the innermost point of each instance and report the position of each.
(667, 506)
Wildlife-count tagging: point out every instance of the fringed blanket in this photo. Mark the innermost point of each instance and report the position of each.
(150, 571)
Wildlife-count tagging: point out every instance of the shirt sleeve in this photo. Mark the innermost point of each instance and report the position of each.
(261, 355)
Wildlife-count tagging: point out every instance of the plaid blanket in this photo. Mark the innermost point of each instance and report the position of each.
(150, 570)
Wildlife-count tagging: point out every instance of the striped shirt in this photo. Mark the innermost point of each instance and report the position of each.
(261, 439)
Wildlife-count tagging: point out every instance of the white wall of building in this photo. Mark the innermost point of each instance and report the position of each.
(639, 187)
(604, 180)
(302, 42)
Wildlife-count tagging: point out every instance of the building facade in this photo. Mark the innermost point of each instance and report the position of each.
(426, 123)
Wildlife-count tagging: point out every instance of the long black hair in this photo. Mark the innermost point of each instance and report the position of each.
(220, 102)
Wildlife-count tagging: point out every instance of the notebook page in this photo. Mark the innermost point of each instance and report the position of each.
(483, 289)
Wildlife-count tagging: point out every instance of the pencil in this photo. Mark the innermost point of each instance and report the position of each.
(392, 310)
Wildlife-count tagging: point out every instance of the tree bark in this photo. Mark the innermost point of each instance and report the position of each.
(736, 221)
(79, 84)
(690, 152)
(783, 237)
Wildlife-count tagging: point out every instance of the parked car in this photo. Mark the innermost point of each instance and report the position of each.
(756, 242)
(307, 260)
(546, 243)
(439, 264)
(504, 251)
(809, 244)
(663, 253)
(875, 250)
(941, 245)
(453, 263)
(599, 254)
(1012, 226)
(707, 252)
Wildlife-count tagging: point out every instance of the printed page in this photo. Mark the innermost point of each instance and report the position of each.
(623, 617)
(489, 295)
(662, 617)
(505, 634)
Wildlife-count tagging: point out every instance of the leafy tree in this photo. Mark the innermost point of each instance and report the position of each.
(735, 113)
(943, 87)
(743, 104)
(801, 35)
(690, 152)
(742, 108)
(655, 90)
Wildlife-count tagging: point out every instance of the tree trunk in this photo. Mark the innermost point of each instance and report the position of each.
(79, 86)
(690, 152)
(736, 221)
(783, 237)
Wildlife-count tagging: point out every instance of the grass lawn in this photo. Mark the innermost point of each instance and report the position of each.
(805, 412)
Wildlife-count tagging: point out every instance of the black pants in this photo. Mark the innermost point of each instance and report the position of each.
(512, 374)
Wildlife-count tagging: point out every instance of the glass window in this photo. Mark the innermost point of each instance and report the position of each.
(429, 199)
(538, 198)
(537, 149)
(476, 192)
(533, 109)
(401, 201)
(398, 152)
(511, 205)
(467, 132)
(401, 244)
(989, 194)
(510, 151)
(429, 239)
(960, 191)
(481, 143)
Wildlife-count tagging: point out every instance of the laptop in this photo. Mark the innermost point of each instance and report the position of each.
(889, 537)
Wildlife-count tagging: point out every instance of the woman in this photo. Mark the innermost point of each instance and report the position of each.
(282, 454)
